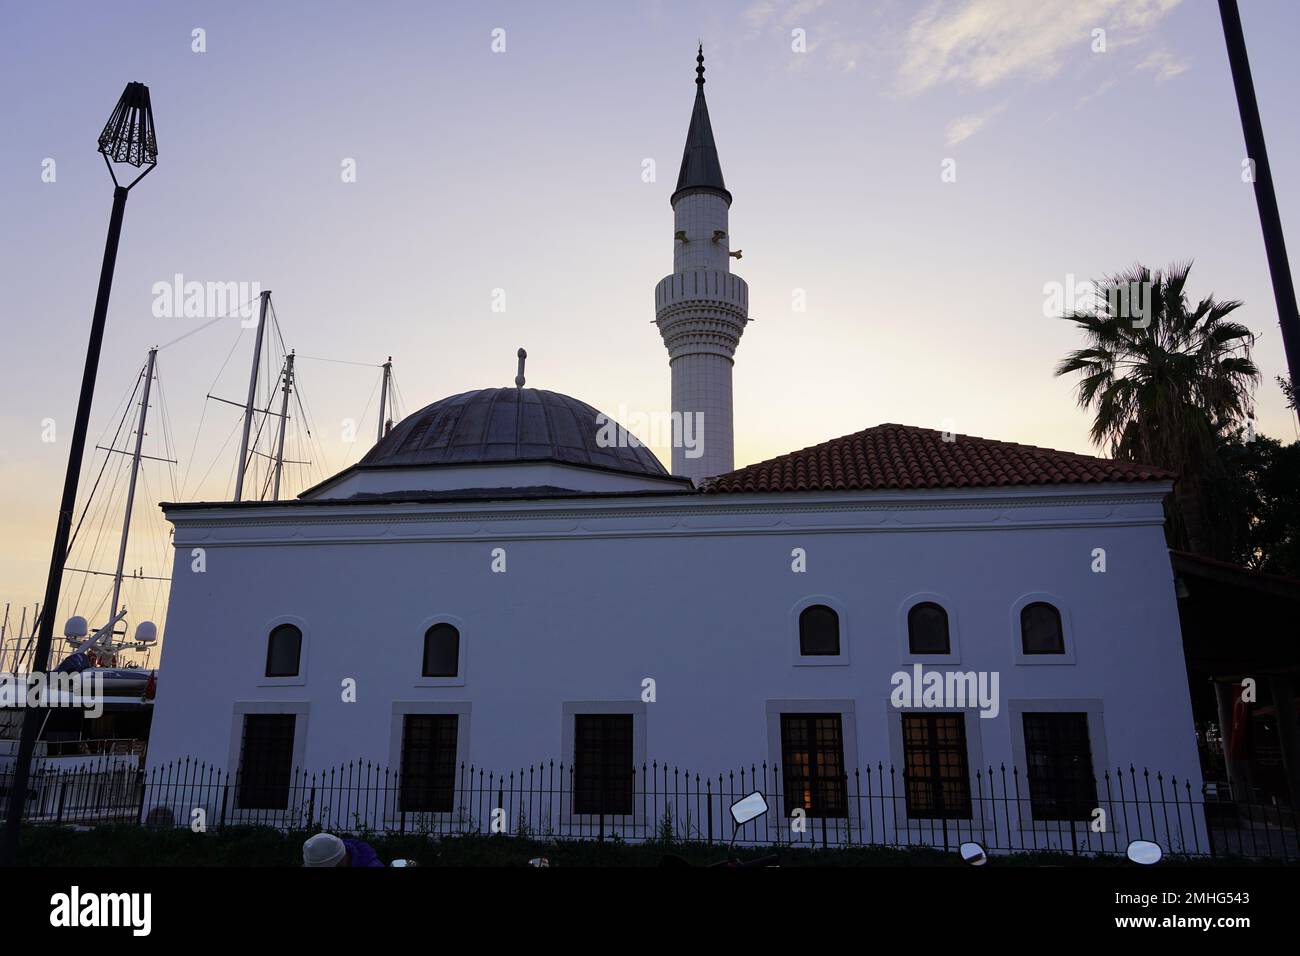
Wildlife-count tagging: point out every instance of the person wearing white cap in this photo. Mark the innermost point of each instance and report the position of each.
(325, 849)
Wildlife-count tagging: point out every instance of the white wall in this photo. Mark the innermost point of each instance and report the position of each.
(696, 593)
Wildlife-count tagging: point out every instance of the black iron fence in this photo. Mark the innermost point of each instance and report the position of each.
(1005, 809)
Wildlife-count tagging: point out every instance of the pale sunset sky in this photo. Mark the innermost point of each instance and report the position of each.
(522, 170)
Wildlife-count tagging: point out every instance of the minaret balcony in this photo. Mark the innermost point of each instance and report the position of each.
(711, 288)
(701, 312)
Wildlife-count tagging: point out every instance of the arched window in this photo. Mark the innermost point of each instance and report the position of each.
(1040, 629)
(283, 651)
(819, 631)
(927, 629)
(441, 651)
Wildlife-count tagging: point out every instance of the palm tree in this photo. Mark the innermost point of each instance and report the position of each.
(1165, 380)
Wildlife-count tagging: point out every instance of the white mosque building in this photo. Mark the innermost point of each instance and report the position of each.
(492, 585)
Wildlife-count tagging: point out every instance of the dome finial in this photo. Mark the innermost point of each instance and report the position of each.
(519, 377)
(699, 70)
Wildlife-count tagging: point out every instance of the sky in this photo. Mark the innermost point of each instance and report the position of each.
(396, 171)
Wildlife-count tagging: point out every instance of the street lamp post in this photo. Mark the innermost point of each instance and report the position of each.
(128, 138)
(1270, 220)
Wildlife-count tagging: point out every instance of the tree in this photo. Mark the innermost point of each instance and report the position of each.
(1288, 391)
(1166, 381)
(1263, 491)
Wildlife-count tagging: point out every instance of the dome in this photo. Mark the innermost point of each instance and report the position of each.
(500, 425)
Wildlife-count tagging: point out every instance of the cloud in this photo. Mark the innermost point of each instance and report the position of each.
(985, 42)
(784, 13)
(1104, 87)
(828, 42)
(1163, 65)
(964, 127)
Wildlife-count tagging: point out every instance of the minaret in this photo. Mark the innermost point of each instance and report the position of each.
(701, 309)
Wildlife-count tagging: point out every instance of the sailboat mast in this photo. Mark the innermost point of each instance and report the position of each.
(284, 422)
(135, 474)
(36, 626)
(383, 397)
(18, 641)
(4, 632)
(252, 393)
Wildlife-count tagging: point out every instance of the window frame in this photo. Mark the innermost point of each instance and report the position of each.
(1067, 657)
(810, 720)
(271, 647)
(797, 657)
(1016, 708)
(1083, 811)
(462, 652)
(965, 810)
(580, 797)
(947, 630)
(445, 726)
(299, 709)
(401, 709)
(904, 629)
(243, 785)
(304, 652)
(424, 658)
(1054, 614)
(846, 709)
(639, 709)
(804, 616)
(983, 811)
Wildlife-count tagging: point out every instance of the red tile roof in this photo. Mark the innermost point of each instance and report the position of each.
(901, 456)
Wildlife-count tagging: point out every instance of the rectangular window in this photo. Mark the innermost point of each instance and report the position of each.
(266, 761)
(429, 763)
(934, 758)
(812, 755)
(603, 770)
(1058, 758)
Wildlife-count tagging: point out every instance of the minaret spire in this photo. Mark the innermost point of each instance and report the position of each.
(701, 168)
(702, 308)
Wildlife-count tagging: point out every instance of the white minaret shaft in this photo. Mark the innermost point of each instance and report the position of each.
(701, 309)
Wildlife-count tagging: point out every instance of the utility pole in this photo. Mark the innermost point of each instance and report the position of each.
(252, 394)
(284, 422)
(135, 474)
(1270, 220)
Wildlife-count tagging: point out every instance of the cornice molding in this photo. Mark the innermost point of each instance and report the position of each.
(696, 516)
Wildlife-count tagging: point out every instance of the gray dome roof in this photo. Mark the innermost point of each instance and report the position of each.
(498, 425)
